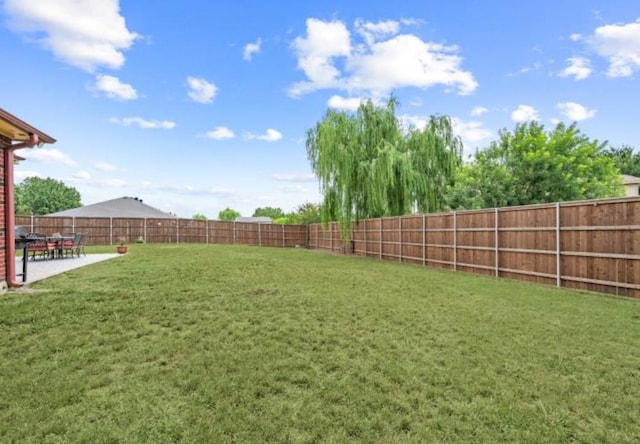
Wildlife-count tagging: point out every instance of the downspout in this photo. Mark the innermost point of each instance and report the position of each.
(9, 235)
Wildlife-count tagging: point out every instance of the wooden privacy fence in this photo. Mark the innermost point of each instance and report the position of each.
(591, 245)
(109, 230)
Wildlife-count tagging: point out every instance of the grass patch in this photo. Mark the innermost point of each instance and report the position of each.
(238, 344)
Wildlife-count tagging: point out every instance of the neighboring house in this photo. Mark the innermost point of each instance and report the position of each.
(631, 185)
(255, 220)
(15, 134)
(131, 207)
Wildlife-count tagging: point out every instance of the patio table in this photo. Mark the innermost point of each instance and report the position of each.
(59, 242)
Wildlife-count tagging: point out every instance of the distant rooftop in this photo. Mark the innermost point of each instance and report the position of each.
(120, 207)
(259, 220)
(630, 180)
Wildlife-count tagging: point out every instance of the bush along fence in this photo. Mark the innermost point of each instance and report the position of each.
(589, 245)
(111, 230)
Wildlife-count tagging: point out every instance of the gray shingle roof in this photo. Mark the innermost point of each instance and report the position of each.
(258, 219)
(120, 207)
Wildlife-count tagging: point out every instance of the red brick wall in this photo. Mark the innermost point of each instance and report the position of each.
(3, 253)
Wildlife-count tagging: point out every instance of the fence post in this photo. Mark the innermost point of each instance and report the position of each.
(331, 236)
(32, 230)
(144, 230)
(455, 240)
(73, 224)
(111, 230)
(558, 278)
(259, 234)
(283, 237)
(366, 238)
(206, 231)
(177, 230)
(400, 238)
(350, 242)
(497, 253)
(380, 232)
(424, 240)
(234, 232)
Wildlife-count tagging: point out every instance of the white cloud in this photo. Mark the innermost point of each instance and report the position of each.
(531, 68)
(620, 44)
(294, 189)
(113, 88)
(576, 112)
(344, 103)
(250, 49)
(116, 183)
(409, 121)
(524, 113)
(536, 66)
(106, 167)
(294, 177)
(575, 37)
(200, 90)
(143, 123)
(85, 34)
(407, 61)
(384, 62)
(82, 175)
(48, 156)
(20, 175)
(478, 111)
(324, 41)
(470, 132)
(220, 133)
(376, 31)
(270, 135)
(579, 68)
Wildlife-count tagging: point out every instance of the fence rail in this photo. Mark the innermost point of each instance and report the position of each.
(590, 245)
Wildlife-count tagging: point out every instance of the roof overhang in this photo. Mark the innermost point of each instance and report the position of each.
(17, 130)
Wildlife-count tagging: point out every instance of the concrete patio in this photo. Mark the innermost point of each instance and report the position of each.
(40, 269)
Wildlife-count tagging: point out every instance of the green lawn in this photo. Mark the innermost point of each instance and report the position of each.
(240, 344)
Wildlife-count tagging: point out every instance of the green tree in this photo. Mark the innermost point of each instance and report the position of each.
(199, 216)
(273, 213)
(370, 166)
(228, 214)
(284, 220)
(626, 159)
(307, 213)
(529, 166)
(38, 196)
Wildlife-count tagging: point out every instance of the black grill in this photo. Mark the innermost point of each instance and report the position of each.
(21, 237)
(22, 241)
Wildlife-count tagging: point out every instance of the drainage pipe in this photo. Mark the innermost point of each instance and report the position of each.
(9, 212)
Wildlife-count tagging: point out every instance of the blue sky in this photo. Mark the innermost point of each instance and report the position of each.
(196, 106)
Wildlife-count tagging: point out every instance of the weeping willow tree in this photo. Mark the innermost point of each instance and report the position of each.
(370, 166)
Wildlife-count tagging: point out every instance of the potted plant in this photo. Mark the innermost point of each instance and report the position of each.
(122, 248)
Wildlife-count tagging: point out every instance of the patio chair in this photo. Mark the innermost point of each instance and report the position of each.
(75, 246)
(67, 244)
(41, 247)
